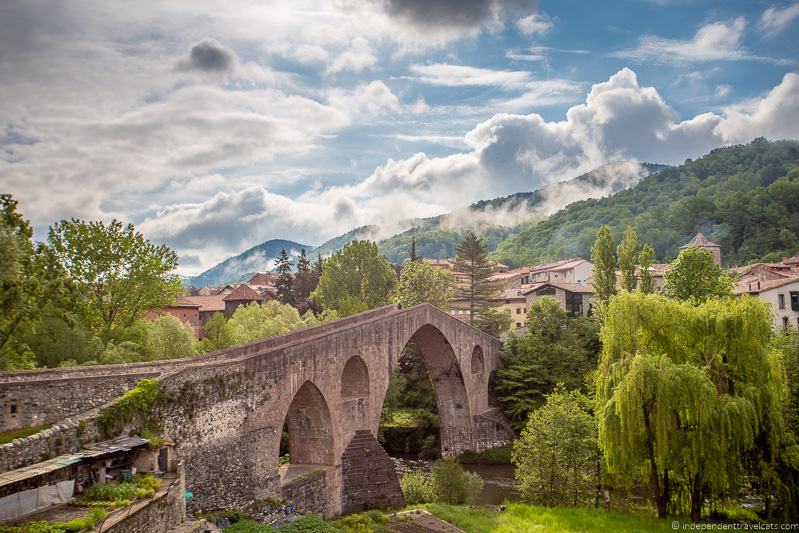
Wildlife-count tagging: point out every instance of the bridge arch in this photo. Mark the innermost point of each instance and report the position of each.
(449, 387)
(355, 379)
(310, 428)
(478, 361)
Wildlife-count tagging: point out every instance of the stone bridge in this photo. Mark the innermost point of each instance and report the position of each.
(226, 410)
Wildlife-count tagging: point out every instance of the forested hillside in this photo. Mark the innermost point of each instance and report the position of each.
(746, 198)
(497, 219)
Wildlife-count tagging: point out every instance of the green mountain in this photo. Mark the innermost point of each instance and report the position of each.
(259, 258)
(498, 219)
(745, 198)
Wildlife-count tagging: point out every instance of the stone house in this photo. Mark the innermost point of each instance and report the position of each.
(208, 306)
(700, 241)
(241, 295)
(576, 270)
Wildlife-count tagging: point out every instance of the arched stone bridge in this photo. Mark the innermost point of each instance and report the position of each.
(327, 384)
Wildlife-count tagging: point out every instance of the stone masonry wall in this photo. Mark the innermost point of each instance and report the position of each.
(30, 404)
(309, 493)
(370, 479)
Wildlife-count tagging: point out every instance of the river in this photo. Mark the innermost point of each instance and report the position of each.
(498, 482)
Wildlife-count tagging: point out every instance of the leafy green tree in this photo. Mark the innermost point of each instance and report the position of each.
(646, 282)
(684, 392)
(482, 293)
(54, 340)
(412, 254)
(355, 279)
(285, 280)
(556, 454)
(218, 334)
(254, 322)
(628, 258)
(694, 276)
(123, 352)
(494, 321)
(30, 282)
(118, 273)
(420, 282)
(556, 349)
(169, 338)
(603, 278)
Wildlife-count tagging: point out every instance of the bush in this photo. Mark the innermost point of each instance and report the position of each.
(501, 455)
(307, 524)
(417, 488)
(248, 526)
(454, 485)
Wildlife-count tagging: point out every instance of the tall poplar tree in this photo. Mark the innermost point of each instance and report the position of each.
(285, 280)
(628, 258)
(646, 281)
(684, 391)
(482, 293)
(603, 278)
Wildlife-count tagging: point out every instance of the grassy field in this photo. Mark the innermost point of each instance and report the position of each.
(521, 517)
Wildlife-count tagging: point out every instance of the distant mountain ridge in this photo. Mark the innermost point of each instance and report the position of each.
(437, 237)
(259, 258)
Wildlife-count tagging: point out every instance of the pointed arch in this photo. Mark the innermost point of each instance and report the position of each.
(478, 362)
(355, 379)
(310, 427)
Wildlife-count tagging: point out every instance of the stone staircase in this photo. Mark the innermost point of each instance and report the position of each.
(370, 480)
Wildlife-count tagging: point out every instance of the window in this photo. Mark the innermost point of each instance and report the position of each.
(785, 322)
(518, 310)
(574, 303)
(794, 300)
(781, 301)
(518, 325)
(13, 408)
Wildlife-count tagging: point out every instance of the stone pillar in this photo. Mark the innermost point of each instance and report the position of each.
(369, 478)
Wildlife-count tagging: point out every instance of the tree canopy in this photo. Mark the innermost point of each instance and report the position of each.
(421, 282)
(355, 279)
(694, 276)
(118, 273)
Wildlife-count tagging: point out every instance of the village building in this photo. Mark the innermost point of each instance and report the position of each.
(209, 305)
(241, 295)
(186, 310)
(576, 270)
(782, 295)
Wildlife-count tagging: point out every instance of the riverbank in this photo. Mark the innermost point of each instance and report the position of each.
(525, 517)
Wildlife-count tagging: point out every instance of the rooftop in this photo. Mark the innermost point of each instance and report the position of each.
(699, 240)
(243, 293)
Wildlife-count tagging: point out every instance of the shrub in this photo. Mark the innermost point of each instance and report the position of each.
(501, 455)
(307, 524)
(248, 526)
(454, 485)
(417, 488)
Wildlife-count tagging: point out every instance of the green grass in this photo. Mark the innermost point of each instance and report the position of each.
(523, 517)
(8, 436)
(494, 456)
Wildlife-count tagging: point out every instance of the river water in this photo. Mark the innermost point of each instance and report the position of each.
(498, 482)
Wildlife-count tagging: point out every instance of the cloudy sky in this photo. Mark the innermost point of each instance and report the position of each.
(216, 125)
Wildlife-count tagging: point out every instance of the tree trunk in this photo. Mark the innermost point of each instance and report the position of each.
(661, 498)
(696, 500)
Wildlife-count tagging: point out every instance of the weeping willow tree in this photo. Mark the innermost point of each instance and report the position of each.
(684, 392)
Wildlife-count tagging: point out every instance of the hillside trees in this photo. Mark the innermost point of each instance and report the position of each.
(355, 279)
(684, 392)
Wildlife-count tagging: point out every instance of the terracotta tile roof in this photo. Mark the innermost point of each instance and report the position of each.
(754, 286)
(215, 302)
(243, 293)
(183, 301)
(698, 240)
